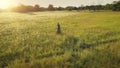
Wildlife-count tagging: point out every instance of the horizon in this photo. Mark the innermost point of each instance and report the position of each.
(59, 33)
(56, 3)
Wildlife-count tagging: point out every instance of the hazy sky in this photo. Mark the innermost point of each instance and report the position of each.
(45, 3)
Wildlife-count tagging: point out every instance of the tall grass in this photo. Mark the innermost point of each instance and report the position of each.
(88, 40)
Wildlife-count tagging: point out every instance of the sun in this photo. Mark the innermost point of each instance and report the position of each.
(4, 4)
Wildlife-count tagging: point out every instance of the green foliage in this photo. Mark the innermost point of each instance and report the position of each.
(51, 8)
(116, 6)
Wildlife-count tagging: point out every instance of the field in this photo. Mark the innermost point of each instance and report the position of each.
(88, 39)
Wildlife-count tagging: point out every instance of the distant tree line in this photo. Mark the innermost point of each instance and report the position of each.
(115, 6)
(30, 8)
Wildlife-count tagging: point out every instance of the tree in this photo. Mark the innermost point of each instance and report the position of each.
(60, 8)
(116, 6)
(23, 8)
(37, 7)
(51, 7)
(70, 8)
(108, 7)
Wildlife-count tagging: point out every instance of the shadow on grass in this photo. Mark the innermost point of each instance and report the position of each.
(85, 45)
(8, 58)
(76, 43)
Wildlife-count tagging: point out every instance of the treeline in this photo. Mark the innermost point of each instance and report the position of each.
(30, 8)
(115, 6)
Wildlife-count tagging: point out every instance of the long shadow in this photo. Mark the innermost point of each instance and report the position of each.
(50, 55)
(85, 46)
(75, 43)
(8, 58)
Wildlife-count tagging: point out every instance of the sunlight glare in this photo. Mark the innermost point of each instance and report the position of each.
(4, 4)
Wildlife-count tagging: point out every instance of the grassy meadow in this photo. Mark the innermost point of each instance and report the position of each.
(88, 39)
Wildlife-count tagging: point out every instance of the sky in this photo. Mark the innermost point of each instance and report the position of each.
(63, 3)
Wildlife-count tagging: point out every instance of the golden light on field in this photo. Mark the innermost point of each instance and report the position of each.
(4, 4)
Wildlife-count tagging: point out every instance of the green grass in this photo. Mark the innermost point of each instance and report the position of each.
(88, 40)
